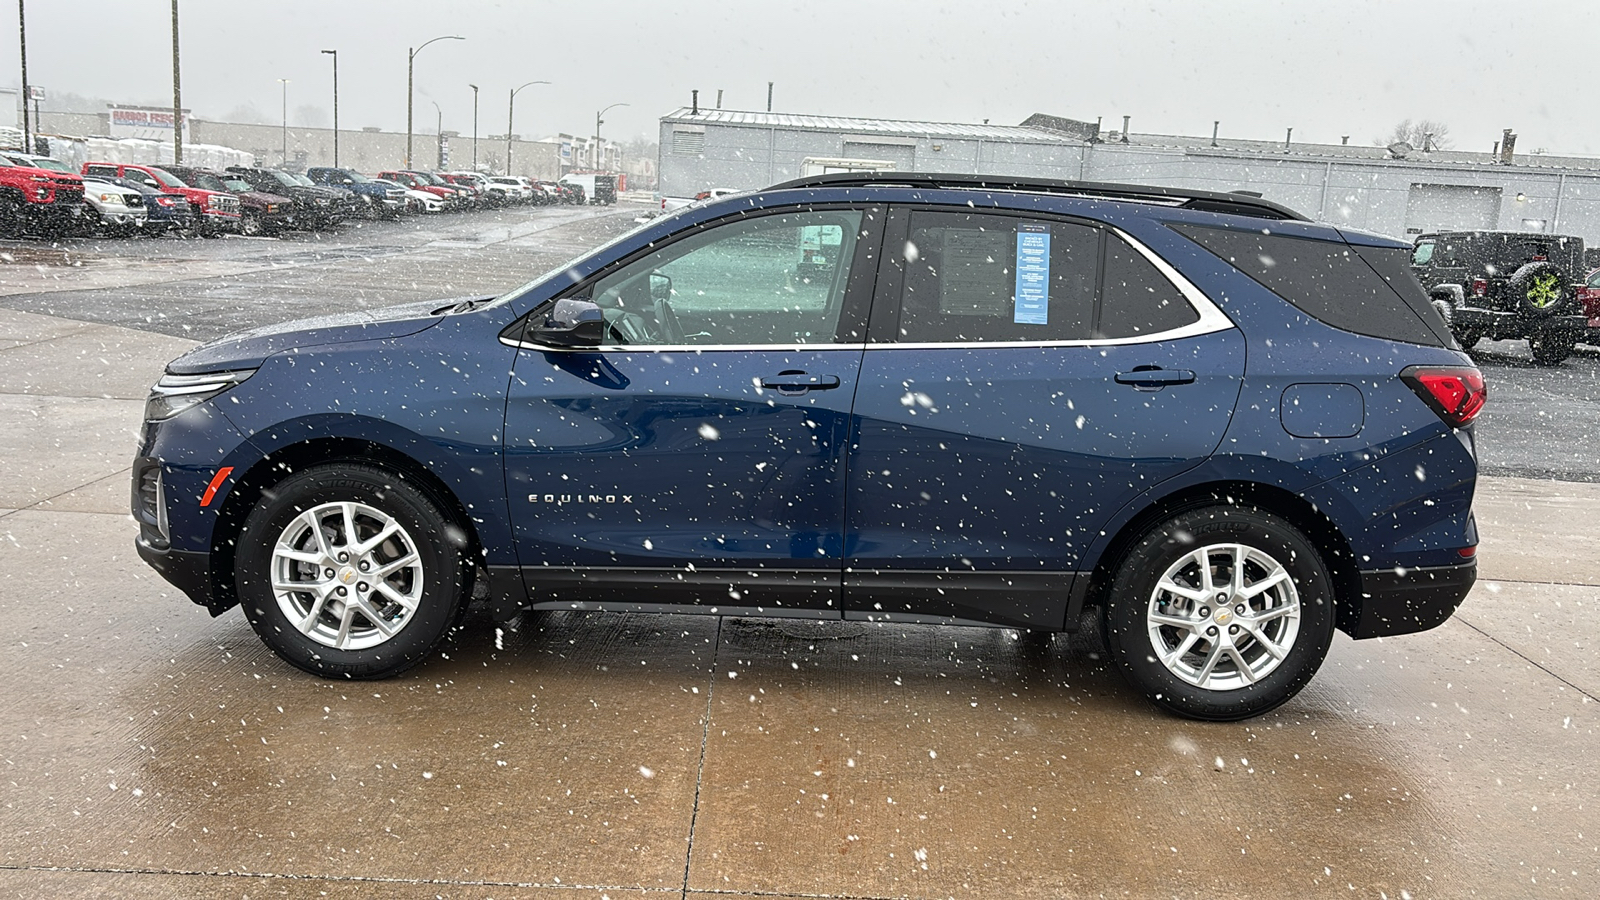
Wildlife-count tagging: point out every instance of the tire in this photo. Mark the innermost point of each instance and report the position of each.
(1466, 337)
(1197, 659)
(312, 627)
(11, 218)
(1538, 289)
(250, 224)
(1550, 349)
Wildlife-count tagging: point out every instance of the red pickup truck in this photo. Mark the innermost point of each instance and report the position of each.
(37, 200)
(216, 212)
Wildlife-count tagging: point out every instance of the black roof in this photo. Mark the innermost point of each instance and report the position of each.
(1205, 201)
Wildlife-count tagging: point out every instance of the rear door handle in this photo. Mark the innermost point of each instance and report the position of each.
(799, 382)
(1154, 377)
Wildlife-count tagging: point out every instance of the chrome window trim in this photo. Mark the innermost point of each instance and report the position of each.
(1212, 320)
(683, 348)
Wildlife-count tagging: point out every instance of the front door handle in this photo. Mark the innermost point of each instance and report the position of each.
(799, 382)
(1155, 377)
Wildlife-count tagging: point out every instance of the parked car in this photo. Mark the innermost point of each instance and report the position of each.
(215, 212)
(415, 201)
(482, 194)
(260, 212)
(314, 207)
(1507, 285)
(36, 200)
(110, 208)
(452, 196)
(516, 187)
(375, 200)
(1055, 412)
(1589, 296)
(165, 210)
(672, 204)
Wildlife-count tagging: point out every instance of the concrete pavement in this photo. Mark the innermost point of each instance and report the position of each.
(147, 750)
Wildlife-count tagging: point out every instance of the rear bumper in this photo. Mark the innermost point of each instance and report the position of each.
(1496, 321)
(1403, 601)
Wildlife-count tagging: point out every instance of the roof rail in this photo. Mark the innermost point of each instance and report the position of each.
(1204, 201)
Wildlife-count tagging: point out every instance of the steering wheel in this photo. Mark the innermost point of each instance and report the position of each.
(671, 331)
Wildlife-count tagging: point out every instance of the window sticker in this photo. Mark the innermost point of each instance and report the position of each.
(973, 280)
(1033, 275)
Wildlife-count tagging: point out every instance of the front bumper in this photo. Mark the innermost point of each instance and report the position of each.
(187, 570)
(1404, 601)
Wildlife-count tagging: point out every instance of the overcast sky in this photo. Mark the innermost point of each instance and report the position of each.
(1324, 68)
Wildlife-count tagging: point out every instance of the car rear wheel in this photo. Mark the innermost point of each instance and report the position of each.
(347, 570)
(1220, 613)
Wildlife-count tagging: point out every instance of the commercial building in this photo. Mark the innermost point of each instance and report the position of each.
(1400, 191)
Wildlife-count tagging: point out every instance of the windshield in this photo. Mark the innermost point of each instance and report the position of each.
(209, 182)
(303, 181)
(54, 165)
(237, 185)
(284, 178)
(167, 178)
(358, 178)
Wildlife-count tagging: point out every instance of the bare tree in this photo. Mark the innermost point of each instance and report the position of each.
(1423, 134)
(310, 115)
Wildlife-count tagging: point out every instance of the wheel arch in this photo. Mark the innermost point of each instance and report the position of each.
(285, 461)
(1337, 555)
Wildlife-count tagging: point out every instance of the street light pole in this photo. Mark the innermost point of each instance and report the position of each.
(177, 94)
(597, 123)
(511, 115)
(22, 28)
(411, 59)
(474, 126)
(285, 83)
(438, 136)
(335, 55)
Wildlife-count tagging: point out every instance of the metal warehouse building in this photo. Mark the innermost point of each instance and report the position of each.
(1366, 187)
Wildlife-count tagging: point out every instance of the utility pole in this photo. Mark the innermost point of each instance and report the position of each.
(474, 126)
(177, 94)
(285, 83)
(22, 27)
(335, 54)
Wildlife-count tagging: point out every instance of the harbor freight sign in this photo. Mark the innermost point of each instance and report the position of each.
(145, 122)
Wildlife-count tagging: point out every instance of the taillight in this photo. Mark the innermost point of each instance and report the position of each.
(1456, 393)
(1480, 287)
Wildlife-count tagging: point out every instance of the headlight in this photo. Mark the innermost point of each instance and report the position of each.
(175, 393)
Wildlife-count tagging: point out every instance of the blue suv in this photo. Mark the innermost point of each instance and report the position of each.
(1223, 429)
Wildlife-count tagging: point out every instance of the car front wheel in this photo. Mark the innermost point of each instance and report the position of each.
(1221, 613)
(349, 571)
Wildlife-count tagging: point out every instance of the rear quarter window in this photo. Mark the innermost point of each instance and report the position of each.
(1332, 282)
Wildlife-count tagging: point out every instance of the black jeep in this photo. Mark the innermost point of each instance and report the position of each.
(1507, 285)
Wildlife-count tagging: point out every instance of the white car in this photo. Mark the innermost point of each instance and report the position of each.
(517, 188)
(112, 207)
(415, 200)
(668, 204)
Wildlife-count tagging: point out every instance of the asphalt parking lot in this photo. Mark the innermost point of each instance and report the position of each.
(147, 750)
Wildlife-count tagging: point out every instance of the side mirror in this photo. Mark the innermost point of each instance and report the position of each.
(573, 322)
(660, 287)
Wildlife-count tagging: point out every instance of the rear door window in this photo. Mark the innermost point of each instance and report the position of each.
(978, 277)
(997, 278)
